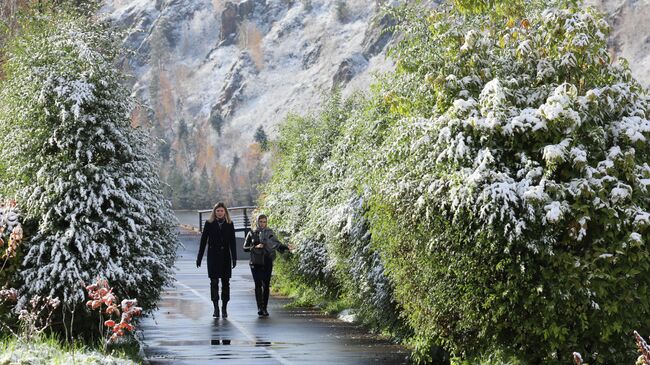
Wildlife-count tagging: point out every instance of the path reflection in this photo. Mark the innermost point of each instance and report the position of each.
(220, 342)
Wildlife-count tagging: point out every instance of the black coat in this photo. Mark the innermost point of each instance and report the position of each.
(222, 248)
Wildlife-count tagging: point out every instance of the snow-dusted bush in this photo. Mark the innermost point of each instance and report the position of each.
(362, 270)
(295, 197)
(314, 198)
(503, 174)
(514, 206)
(80, 172)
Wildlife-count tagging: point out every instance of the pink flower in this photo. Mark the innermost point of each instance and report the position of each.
(10, 295)
(91, 287)
(112, 309)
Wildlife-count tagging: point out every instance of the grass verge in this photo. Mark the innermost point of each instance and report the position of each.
(304, 296)
(49, 351)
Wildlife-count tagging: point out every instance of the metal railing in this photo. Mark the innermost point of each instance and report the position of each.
(242, 221)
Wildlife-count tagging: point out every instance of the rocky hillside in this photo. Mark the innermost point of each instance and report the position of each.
(215, 75)
(213, 72)
(630, 36)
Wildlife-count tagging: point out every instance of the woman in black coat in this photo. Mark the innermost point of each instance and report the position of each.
(219, 236)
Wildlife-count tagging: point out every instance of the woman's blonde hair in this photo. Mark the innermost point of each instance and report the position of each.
(213, 216)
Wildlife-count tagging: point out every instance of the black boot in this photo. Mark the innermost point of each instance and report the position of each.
(259, 300)
(215, 314)
(265, 301)
(224, 312)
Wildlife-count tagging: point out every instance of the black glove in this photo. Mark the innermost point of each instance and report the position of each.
(234, 263)
(198, 262)
(283, 248)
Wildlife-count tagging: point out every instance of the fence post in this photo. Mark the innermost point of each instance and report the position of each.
(200, 221)
(247, 223)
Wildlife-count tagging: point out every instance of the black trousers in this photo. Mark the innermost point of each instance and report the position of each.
(262, 277)
(225, 290)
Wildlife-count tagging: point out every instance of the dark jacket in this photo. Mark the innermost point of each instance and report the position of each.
(222, 248)
(265, 236)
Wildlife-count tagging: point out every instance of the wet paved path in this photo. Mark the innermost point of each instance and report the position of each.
(183, 331)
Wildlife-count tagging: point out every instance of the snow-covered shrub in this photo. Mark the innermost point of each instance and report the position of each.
(502, 172)
(78, 169)
(314, 198)
(295, 198)
(513, 209)
(362, 270)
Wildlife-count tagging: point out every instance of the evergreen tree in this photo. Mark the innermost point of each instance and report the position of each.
(85, 176)
(164, 150)
(262, 138)
(182, 131)
(204, 189)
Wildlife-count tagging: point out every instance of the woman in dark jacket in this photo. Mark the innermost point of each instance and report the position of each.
(262, 242)
(219, 236)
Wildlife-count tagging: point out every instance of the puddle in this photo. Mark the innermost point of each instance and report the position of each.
(188, 308)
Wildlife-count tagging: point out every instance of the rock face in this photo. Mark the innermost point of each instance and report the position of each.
(630, 36)
(232, 16)
(349, 68)
(229, 23)
(233, 89)
(217, 70)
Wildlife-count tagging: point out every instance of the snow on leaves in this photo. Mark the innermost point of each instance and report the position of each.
(555, 134)
(505, 176)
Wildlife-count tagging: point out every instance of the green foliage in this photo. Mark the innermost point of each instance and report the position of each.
(493, 190)
(261, 138)
(477, 203)
(287, 282)
(314, 197)
(164, 150)
(497, 7)
(185, 194)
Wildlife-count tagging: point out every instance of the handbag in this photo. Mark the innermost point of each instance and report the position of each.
(258, 257)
